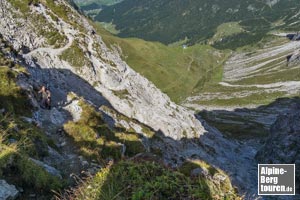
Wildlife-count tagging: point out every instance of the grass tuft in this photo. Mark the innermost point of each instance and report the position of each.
(149, 180)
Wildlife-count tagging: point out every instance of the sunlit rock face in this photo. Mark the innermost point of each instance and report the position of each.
(127, 91)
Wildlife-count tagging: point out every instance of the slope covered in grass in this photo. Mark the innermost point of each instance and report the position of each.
(177, 71)
(141, 179)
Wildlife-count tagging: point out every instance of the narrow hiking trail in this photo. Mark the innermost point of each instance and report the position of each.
(65, 157)
(61, 26)
(65, 29)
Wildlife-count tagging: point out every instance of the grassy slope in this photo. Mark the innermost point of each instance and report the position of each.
(167, 67)
(140, 179)
(137, 178)
(176, 71)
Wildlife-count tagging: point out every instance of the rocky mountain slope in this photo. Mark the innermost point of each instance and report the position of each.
(258, 81)
(104, 110)
(59, 48)
(126, 91)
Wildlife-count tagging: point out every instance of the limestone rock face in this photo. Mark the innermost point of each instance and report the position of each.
(124, 89)
(282, 146)
(8, 192)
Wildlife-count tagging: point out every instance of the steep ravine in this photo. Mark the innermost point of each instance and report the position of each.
(107, 80)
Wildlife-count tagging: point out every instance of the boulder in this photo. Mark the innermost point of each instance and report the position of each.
(7, 191)
(199, 171)
(294, 58)
(2, 111)
(51, 170)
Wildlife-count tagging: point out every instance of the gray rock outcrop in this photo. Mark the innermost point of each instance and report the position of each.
(282, 146)
(294, 58)
(7, 191)
(51, 170)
